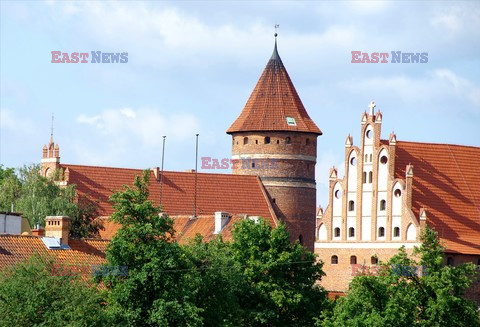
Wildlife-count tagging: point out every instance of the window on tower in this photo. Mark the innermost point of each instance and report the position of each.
(370, 174)
(245, 140)
(307, 141)
(374, 260)
(267, 140)
(334, 260)
(288, 140)
(353, 260)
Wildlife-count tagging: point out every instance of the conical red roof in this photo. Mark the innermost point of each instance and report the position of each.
(274, 101)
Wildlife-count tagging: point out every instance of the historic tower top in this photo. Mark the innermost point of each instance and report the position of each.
(274, 104)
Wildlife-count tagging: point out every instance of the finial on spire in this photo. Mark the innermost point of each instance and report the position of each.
(276, 28)
(51, 130)
(275, 55)
(372, 106)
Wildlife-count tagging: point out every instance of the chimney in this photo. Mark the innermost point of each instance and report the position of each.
(38, 231)
(156, 173)
(58, 227)
(221, 219)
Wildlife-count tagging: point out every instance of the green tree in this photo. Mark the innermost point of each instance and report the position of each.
(399, 297)
(161, 285)
(31, 296)
(222, 282)
(10, 188)
(281, 277)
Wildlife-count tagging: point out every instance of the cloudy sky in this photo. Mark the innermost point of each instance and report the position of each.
(192, 65)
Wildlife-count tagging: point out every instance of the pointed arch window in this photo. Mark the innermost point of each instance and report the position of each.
(381, 232)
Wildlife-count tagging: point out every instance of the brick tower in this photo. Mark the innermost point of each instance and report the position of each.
(275, 139)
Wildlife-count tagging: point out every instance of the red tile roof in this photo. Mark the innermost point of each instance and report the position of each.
(235, 194)
(446, 182)
(272, 101)
(17, 248)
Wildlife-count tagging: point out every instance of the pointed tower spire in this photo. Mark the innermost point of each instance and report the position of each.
(274, 104)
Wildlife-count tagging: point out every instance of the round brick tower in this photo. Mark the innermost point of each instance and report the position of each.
(275, 139)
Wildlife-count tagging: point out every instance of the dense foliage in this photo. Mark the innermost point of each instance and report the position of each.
(405, 299)
(37, 197)
(31, 296)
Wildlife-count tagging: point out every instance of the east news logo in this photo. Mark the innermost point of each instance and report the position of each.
(398, 57)
(97, 57)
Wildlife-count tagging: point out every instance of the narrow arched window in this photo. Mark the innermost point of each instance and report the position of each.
(267, 140)
(366, 158)
(256, 141)
(383, 204)
(353, 260)
(364, 178)
(288, 140)
(334, 260)
(351, 205)
(307, 141)
(374, 260)
(351, 232)
(396, 232)
(370, 175)
(245, 140)
(381, 232)
(300, 239)
(336, 232)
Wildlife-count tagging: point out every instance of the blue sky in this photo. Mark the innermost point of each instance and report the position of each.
(192, 66)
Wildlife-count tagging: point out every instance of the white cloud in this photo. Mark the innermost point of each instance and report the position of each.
(11, 121)
(424, 92)
(144, 125)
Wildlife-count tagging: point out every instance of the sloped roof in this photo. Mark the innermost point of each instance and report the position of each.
(446, 182)
(235, 194)
(17, 248)
(272, 101)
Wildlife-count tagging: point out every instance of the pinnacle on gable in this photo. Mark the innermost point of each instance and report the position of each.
(348, 141)
(409, 170)
(393, 138)
(333, 173)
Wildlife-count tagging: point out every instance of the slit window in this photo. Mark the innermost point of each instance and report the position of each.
(307, 141)
(364, 178)
(383, 205)
(370, 175)
(351, 205)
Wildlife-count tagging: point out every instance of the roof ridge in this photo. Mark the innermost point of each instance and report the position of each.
(433, 143)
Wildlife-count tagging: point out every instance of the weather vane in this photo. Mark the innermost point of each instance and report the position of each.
(276, 28)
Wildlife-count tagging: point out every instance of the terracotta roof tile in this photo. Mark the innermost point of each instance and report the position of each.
(272, 101)
(17, 248)
(446, 182)
(235, 194)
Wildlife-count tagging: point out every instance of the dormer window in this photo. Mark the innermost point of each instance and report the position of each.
(291, 121)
